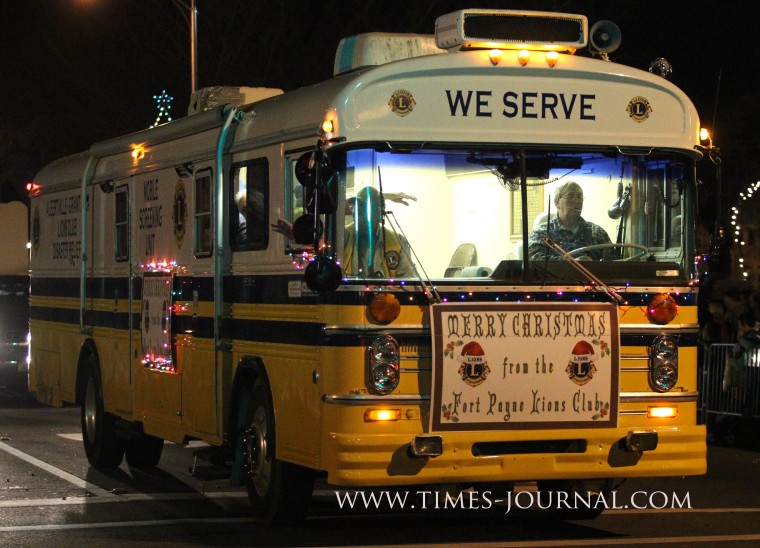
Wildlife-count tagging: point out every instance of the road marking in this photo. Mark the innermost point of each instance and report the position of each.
(120, 524)
(515, 544)
(193, 444)
(318, 493)
(137, 497)
(71, 478)
(600, 541)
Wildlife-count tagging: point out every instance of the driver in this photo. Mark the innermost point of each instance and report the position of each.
(569, 230)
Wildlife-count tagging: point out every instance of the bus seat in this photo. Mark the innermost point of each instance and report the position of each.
(465, 255)
(539, 221)
(675, 231)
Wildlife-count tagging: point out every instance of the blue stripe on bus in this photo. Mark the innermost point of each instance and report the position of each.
(270, 289)
(248, 289)
(269, 331)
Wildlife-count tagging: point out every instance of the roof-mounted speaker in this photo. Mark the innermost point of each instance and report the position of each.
(604, 37)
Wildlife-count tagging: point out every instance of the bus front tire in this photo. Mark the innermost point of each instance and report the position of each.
(144, 451)
(101, 444)
(279, 492)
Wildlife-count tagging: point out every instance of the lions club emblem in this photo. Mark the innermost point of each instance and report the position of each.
(474, 368)
(392, 259)
(639, 109)
(402, 102)
(580, 368)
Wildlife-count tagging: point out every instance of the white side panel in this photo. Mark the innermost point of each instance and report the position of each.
(57, 233)
(161, 218)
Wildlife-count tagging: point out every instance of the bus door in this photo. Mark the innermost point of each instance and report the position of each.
(178, 386)
(157, 254)
(115, 290)
(193, 310)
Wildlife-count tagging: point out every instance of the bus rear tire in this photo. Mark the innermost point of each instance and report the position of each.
(144, 451)
(101, 444)
(279, 492)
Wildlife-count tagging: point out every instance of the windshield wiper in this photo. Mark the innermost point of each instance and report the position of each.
(597, 284)
(427, 285)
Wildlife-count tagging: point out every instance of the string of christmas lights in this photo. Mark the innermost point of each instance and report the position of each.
(738, 237)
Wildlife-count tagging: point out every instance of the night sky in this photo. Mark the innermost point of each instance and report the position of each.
(76, 72)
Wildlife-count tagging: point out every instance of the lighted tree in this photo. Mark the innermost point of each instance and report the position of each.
(163, 105)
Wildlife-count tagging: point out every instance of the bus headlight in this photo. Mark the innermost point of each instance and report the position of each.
(663, 364)
(383, 374)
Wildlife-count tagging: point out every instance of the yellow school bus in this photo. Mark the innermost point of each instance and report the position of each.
(466, 260)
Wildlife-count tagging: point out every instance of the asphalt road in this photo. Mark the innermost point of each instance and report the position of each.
(50, 496)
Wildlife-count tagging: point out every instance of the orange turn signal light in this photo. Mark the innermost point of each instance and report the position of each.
(384, 307)
(662, 309)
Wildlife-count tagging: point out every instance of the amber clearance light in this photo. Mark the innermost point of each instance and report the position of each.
(138, 152)
(666, 412)
(384, 307)
(381, 415)
(662, 309)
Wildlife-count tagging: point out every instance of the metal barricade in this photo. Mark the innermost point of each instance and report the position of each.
(730, 386)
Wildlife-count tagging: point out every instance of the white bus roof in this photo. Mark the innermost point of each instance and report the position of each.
(458, 97)
(464, 97)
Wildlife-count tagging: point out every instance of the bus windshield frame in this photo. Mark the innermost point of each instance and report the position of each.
(484, 213)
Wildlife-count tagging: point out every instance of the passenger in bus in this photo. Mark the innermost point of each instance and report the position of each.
(376, 250)
(240, 199)
(390, 255)
(255, 212)
(569, 230)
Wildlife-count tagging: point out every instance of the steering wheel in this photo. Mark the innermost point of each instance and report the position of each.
(575, 252)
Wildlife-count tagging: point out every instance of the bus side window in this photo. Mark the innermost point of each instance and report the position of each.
(250, 185)
(121, 223)
(294, 206)
(296, 198)
(202, 214)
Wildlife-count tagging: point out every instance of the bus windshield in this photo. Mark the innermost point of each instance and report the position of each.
(513, 214)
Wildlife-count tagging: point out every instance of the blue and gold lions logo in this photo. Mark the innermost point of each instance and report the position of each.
(474, 369)
(581, 366)
(402, 102)
(639, 109)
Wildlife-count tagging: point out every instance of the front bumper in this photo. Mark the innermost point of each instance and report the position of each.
(387, 459)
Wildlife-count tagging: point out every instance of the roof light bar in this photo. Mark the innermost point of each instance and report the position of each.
(507, 29)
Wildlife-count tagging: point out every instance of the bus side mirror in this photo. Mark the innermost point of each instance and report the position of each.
(323, 275)
(320, 182)
(304, 228)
